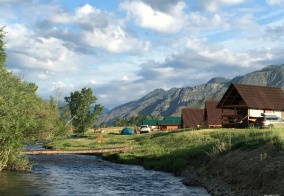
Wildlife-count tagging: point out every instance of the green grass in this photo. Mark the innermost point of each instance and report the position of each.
(169, 151)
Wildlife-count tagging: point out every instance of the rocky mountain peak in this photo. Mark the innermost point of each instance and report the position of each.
(170, 102)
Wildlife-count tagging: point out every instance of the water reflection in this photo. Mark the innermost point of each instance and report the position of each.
(89, 175)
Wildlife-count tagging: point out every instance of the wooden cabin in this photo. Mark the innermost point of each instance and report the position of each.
(169, 123)
(250, 101)
(192, 118)
(213, 115)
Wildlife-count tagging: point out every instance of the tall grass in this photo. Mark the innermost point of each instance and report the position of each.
(169, 151)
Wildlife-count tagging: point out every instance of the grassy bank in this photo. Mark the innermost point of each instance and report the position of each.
(169, 151)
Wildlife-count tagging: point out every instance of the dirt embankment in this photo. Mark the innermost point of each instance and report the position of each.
(255, 172)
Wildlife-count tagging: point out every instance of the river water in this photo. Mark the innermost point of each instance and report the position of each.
(60, 175)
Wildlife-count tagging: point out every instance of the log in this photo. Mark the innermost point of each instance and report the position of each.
(90, 151)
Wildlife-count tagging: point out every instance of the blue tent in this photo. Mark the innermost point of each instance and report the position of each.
(126, 131)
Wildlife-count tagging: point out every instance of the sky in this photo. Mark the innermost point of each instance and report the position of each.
(124, 49)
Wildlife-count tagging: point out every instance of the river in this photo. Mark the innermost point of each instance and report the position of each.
(60, 175)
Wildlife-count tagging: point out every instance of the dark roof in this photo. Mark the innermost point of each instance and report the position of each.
(150, 122)
(192, 117)
(171, 120)
(252, 96)
(213, 115)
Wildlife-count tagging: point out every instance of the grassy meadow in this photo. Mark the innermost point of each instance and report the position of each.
(169, 150)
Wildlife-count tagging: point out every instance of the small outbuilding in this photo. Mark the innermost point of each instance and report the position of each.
(169, 123)
(126, 131)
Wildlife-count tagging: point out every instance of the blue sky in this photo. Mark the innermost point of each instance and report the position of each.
(124, 49)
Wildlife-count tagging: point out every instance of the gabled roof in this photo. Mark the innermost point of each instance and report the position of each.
(213, 115)
(192, 117)
(252, 96)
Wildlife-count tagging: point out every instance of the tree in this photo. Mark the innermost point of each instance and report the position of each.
(24, 117)
(79, 104)
(2, 51)
(61, 128)
(103, 125)
(119, 122)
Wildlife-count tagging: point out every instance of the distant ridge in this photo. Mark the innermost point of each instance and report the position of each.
(170, 102)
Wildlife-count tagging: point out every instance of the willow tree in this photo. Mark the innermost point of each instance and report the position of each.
(79, 104)
(24, 117)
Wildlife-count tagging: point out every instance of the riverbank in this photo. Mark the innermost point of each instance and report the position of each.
(255, 172)
(224, 161)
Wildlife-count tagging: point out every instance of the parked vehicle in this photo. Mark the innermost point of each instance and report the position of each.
(269, 121)
(155, 129)
(145, 129)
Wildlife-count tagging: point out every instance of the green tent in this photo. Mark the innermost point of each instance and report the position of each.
(126, 131)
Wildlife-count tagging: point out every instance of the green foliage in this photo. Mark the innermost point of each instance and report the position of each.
(24, 117)
(60, 128)
(79, 104)
(2, 52)
(103, 124)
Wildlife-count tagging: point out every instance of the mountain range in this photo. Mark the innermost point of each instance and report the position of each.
(170, 102)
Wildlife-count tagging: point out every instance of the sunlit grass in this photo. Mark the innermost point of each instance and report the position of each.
(169, 151)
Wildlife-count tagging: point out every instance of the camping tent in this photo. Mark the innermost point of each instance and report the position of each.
(126, 131)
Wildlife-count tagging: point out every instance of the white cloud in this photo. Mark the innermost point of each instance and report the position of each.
(125, 78)
(59, 16)
(101, 30)
(199, 22)
(114, 39)
(30, 51)
(274, 33)
(94, 82)
(230, 2)
(59, 84)
(246, 22)
(86, 10)
(89, 17)
(147, 17)
(275, 2)
(86, 29)
(206, 54)
(214, 5)
(103, 96)
(43, 75)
